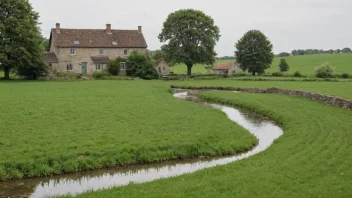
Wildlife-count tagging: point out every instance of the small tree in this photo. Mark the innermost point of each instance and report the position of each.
(326, 70)
(158, 54)
(191, 36)
(140, 65)
(283, 65)
(254, 52)
(114, 66)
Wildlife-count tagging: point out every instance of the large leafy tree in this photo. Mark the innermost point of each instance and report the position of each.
(191, 36)
(20, 39)
(254, 52)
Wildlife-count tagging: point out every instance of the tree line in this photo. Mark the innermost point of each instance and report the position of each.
(300, 52)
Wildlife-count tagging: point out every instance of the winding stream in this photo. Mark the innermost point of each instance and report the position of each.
(265, 130)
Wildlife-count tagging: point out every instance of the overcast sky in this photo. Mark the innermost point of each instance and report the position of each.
(289, 24)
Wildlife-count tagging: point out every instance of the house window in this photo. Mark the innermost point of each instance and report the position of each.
(123, 65)
(125, 52)
(101, 51)
(159, 69)
(98, 67)
(69, 67)
(72, 51)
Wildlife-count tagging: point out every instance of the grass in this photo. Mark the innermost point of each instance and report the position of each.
(54, 127)
(312, 159)
(196, 69)
(342, 89)
(304, 64)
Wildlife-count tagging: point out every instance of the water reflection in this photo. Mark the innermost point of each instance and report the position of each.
(265, 130)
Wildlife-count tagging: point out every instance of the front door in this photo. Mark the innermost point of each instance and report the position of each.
(84, 68)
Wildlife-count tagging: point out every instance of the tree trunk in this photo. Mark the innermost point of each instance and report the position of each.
(189, 70)
(7, 73)
(253, 73)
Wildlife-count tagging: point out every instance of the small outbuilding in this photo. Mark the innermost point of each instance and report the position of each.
(162, 67)
(50, 59)
(227, 69)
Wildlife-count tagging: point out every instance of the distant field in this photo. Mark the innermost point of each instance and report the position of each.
(182, 68)
(305, 64)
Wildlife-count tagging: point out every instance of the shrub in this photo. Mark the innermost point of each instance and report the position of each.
(345, 75)
(325, 71)
(101, 75)
(277, 74)
(140, 65)
(283, 65)
(114, 66)
(297, 74)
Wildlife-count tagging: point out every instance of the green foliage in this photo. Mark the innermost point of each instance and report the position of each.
(20, 42)
(326, 70)
(98, 123)
(191, 36)
(101, 75)
(159, 54)
(114, 66)
(277, 74)
(284, 54)
(254, 52)
(283, 65)
(345, 75)
(45, 44)
(140, 65)
(297, 74)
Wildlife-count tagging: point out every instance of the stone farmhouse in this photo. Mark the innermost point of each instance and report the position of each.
(227, 68)
(88, 50)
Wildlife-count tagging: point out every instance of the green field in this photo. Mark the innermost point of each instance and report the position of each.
(341, 89)
(312, 159)
(196, 69)
(55, 127)
(305, 64)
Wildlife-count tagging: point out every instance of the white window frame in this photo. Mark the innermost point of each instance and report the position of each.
(68, 66)
(72, 51)
(123, 66)
(125, 52)
(98, 67)
(101, 51)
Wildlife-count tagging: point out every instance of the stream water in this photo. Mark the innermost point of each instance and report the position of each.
(74, 183)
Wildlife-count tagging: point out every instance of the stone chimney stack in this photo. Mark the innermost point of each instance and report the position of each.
(58, 28)
(108, 28)
(140, 29)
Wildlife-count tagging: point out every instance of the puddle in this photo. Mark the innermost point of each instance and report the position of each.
(265, 130)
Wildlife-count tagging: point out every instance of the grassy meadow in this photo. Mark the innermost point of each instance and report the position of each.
(54, 127)
(304, 64)
(311, 159)
(341, 89)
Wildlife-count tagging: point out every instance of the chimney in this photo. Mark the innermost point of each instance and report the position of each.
(108, 28)
(58, 28)
(140, 29)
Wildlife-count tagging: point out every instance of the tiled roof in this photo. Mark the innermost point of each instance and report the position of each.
(49, 57)
(100, 59)
(223, 66)
(98, 38)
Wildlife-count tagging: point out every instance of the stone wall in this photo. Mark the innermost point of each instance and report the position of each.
(330, 100)
(163, 68)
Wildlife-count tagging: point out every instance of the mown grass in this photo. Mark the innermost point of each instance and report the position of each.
(55, 127)
(312, 159)
(196, 69)
(304, 64)
(342, 89)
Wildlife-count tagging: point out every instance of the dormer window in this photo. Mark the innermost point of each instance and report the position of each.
(76, 42)
(72, 51)
(101, 51)
(114, 43)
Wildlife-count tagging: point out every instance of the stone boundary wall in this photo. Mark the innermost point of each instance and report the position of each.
(329, 100)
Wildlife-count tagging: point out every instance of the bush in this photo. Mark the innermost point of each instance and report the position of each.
(283, 65)
(278, 74)
(101, 75)
(140, 65)
(297, 74)
(345, 75)
(325, 71)
(114, 66)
